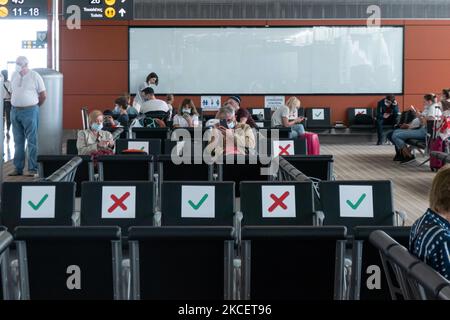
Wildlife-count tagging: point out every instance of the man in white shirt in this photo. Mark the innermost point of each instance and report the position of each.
(27, 95)
(153, 104)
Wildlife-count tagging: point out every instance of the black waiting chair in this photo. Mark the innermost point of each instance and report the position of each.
(293, 263)
(243, 168)
(287, 147)
(197, 203)
(71, 147)
(48, 164)
(358, 203)
(319, 118)
(122, 204)
(369, 281)
(360, 118)
(181, 263)
(125, 168)
(149, 146)
(69, 263)
(273, 133)
(277, 203)
(417, 280)
(150, 133)
(5, 241)
(181, 148)
(37, 204)
(317, 167)
(193, 169)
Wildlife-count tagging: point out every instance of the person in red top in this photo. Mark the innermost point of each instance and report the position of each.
(242, 115)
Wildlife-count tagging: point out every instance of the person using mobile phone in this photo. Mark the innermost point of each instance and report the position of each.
(229, 136)
(287, 117)
(95, 139)
(187, 115)
(387, 114)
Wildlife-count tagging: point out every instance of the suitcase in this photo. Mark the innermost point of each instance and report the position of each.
(312, 143)
(436, 145)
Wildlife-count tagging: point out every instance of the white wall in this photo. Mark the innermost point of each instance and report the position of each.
(298, 60)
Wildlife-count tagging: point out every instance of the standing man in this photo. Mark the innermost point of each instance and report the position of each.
(387, 114)
(27, 95)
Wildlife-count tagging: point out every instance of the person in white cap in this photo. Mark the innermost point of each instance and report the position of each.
(27, 95)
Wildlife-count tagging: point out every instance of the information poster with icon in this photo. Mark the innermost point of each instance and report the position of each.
(211, 102)
(23, 9)
(100, 9)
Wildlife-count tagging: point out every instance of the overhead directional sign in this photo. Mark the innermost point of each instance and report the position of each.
(23, 9)
(100, 9)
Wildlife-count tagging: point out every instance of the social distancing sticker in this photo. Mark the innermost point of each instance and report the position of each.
(139, 145)
(278, 201)
(283, 148)
(119, 202)
(356, 201)
(318, 114)
(38, 202)
(198, 202)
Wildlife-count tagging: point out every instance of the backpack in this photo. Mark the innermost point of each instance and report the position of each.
(361, 118)
(154, 119)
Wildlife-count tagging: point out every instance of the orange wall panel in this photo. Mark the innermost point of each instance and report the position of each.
(74, 103)
(95, 77)
(427, 42)
(95, 43)
(423, 76)
(94, 61)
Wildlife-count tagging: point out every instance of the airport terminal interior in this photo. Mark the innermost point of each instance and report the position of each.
(201, 150)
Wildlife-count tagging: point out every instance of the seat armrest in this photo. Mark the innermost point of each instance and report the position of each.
(400, 218)
(318, 219)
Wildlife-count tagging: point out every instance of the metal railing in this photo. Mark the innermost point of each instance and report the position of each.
(67, 172)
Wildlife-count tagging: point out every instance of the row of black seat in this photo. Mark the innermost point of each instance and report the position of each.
(143, 168)
(305, 263)
(183, 203)
(407, 276)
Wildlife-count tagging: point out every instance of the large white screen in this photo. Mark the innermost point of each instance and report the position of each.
(300, 60)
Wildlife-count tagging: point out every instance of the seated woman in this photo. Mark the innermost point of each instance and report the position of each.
(287, 116)
(94, 140)
(414, 129)
(187, 115)
(229, 136)
(430, 235)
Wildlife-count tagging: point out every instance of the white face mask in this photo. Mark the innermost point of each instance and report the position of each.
(231, 125)
(187, 111)
(18, 68)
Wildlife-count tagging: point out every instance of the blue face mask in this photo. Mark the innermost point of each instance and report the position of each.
(231, 125)
(97, 127)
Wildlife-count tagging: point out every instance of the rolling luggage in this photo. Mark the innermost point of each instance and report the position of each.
(312, 143)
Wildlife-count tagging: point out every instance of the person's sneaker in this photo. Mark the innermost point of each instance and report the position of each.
(408, 160)
(33, 174)
(398, 157)
(379, 143)
(15, 174)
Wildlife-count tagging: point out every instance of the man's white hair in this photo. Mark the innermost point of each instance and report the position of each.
(226, 110)
(22, 60)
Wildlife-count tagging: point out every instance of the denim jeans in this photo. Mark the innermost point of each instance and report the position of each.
(401, 135)
(25, 124)
(296, 131)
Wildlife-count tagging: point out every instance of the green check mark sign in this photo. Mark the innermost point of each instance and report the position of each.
(356, 205)
(199, 204)
(36, 207)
